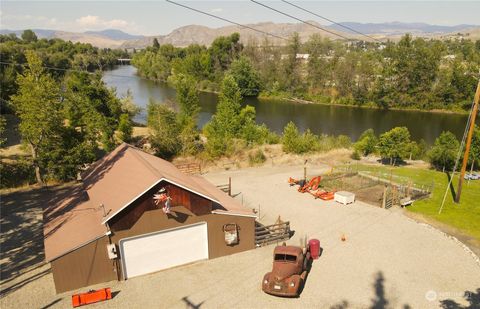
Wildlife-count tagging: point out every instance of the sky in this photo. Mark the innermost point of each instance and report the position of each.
(160, 17)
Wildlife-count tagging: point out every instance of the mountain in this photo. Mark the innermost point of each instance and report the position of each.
(184, 36)
(394, 28)
(115, 34)
(109, 38)
(203, 35)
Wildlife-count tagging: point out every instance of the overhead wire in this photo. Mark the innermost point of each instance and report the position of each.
(300, 20)
(332, 21)
(459, 154)
(227, 20)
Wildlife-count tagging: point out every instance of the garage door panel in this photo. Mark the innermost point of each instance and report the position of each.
(148, 253)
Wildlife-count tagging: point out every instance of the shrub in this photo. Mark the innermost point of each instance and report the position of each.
(366, 143)
(257, 157)
(355, 155)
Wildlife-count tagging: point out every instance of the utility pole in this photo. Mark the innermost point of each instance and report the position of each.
(469, 142)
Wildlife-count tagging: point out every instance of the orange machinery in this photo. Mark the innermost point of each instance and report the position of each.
(91, 297)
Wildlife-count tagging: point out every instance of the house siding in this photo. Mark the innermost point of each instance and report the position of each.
(85, 266)
(90, 264)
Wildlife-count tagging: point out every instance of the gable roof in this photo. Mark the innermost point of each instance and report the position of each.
(110, 185)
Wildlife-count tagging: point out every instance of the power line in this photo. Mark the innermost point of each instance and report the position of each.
(227, 20)
(300, 20)
(334, 22)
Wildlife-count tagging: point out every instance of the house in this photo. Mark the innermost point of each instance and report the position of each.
(110, 228)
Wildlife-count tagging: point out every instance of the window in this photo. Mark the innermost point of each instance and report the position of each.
(285, 258)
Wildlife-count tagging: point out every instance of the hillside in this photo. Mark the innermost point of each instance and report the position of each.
(184, 36)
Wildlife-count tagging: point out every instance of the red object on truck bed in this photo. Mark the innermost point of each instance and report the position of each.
(91, 297)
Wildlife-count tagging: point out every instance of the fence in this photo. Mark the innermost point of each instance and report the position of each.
(190, 168)
(267, 234)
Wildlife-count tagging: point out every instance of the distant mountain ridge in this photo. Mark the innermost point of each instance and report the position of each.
(399, 28)
(198, 34)
(115, 34)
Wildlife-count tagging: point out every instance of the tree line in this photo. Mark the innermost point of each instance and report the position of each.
(410, 73)
(233, 128)
(57, 54)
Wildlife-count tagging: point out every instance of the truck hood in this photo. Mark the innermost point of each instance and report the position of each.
(282, 271)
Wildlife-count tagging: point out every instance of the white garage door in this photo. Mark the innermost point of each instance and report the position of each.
(148, 253)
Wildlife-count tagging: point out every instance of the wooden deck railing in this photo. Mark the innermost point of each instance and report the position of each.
(267, 234)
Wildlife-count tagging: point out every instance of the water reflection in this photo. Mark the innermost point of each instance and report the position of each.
(320, 119)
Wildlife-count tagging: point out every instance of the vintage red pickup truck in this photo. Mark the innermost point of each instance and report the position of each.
(290, 269)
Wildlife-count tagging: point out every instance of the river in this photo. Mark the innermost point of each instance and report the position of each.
(320, 119)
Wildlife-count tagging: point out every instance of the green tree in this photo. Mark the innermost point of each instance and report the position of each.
(226, 123)
(367, 143)
(164, 130)
(189, 102)
(474, 157)
(444, 151)
(246, 77)
(291, 138)
(291, 65)
(38, 106)
(394, 144)
(187, 96)
(29, 36)
(155, 44)
(125, 128)
(3, 124)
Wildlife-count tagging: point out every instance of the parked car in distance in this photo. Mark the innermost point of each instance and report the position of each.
(290, 269)
(472, 176)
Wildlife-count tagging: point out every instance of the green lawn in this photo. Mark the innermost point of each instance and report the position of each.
(464, 216)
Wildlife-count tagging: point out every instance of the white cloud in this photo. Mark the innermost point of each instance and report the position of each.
(217, 10)
(91, 22)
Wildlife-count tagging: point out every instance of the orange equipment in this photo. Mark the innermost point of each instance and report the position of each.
(91, 297)
(313, 184)
(327, 196)
(293, 181)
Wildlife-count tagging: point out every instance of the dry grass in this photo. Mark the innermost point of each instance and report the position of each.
(274, 157)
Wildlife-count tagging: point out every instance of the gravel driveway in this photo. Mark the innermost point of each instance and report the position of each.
(387, 261)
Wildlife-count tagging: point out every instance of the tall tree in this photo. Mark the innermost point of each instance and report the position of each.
(187, 98)
(226, 123)
(291, 65)
(164, 130)
(38, 106)
(246, 77)
(394, 144)
(155, 44)
(29, 36)
(444, 151)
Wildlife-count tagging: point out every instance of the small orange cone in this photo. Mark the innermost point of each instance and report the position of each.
(343, 237)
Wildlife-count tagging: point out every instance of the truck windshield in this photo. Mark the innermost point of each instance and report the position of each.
(285, 258)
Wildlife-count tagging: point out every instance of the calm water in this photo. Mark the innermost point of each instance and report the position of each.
(350, 121)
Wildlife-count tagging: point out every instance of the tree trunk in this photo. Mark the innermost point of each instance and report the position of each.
(38, 175)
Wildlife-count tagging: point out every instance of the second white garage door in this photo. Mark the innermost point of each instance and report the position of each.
(148, 253)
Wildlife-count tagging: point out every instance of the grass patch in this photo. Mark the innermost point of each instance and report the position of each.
(464, 216)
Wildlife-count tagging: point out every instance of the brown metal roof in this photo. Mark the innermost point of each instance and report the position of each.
(112, 184)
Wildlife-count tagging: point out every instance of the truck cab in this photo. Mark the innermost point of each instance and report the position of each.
(289, 271)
